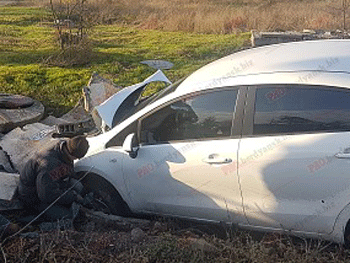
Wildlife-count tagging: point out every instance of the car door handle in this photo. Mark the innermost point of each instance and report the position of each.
(342, 155)
(215, 159)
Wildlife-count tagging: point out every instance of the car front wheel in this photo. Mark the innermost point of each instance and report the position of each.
(100, 195)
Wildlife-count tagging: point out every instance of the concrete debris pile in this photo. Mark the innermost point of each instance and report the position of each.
(22, 143)
(23, 133)
(16, 110)
(268, 38)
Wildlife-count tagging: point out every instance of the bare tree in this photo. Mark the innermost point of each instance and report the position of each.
(71, 21)
(341, 9)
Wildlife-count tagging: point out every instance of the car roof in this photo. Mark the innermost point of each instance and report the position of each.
(331, 55)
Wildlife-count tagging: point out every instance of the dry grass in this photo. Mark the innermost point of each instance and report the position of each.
(74, 55)
(168, 245)
(221, 16)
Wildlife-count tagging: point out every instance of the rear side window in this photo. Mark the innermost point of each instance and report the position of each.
(296, 108)
(202, 116)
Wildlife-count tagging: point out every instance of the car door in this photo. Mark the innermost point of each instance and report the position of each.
(180, 165)
(293, 159)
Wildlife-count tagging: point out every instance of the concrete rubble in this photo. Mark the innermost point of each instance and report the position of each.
(12, 116)
(138, 235)
(202, 245)
(8, 183)
(24, 138)
(269, 38)
(22, 143)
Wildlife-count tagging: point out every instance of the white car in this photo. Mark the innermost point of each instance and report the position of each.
(260, 139)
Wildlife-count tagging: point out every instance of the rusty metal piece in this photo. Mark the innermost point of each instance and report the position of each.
(74, 128)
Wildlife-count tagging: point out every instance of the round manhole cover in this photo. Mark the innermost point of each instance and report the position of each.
(14, 101)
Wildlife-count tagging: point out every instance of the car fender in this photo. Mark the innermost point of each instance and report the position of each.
(340, 224)
(118, 182)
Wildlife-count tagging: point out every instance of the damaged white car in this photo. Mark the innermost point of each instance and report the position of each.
(260, 138)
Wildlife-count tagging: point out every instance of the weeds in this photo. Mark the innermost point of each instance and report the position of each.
(171, 241)
(222, 16)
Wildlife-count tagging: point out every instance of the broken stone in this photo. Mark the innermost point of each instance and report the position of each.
(88, 227)
(202, 245)
(5, 162)
(159, 227)
(11, 118)
(14, 101)
(9, 183)
(23, 144)
(29, 235)
(77, 114)
(269, 38)
(99, 89)
(51, 121)
(64, 224)
(137, 235)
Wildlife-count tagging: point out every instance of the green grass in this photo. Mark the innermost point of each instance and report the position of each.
(124, 48)
(27, 39)
(23, 16)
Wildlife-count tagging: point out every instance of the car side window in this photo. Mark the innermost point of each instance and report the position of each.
(201, 116)
(118, 140)
(301, 108)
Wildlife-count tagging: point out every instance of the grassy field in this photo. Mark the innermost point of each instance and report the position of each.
(223, 16)
(27, 40)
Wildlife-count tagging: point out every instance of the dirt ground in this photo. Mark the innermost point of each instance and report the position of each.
(106, 238)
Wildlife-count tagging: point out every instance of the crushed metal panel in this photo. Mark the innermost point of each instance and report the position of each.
(158, 64)
(108, 108)
(72, 129)
(158, 76)
(8, 182)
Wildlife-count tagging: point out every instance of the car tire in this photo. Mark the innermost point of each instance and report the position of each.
(347, 235)
(105, 197)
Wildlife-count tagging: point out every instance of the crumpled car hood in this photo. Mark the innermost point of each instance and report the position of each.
(126, 98)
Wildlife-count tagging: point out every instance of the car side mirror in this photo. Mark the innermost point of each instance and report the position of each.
(130, 146)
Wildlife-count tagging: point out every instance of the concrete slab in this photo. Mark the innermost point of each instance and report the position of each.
(8, 183)
(12, 118)
(23, 143)
(5, 163)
